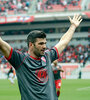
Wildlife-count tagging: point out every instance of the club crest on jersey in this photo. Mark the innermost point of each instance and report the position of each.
(55, 72)
(42, 75)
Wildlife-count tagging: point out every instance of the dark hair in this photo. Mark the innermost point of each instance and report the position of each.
(35, 34)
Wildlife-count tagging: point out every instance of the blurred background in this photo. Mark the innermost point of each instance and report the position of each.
(19, 17)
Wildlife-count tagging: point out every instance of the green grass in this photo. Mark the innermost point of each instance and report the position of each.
(75, 90)
(70, 90)
(9, 91)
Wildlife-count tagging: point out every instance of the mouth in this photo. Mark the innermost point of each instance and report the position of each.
(43, 51)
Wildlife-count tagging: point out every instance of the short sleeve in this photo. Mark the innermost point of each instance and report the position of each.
(15, 58)
(52, 53)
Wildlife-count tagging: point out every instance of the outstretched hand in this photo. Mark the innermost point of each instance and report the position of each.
(76, 20)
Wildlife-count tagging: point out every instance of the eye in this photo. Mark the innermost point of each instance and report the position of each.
(42, 43)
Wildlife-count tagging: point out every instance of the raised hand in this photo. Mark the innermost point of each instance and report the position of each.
(76, 20)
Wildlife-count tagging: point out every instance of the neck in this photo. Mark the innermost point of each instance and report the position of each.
(32, 54)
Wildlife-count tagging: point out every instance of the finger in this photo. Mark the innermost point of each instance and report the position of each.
(80, 21)
(69, 18)
(79, 17)
(74, 16)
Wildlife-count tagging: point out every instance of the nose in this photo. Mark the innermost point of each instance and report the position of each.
(44, 46)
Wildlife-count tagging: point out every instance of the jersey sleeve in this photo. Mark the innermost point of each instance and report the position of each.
(53, 54)
(15, 58)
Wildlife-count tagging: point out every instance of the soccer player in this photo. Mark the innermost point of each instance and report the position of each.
(33, 69)
(11, 74)
(56, 71)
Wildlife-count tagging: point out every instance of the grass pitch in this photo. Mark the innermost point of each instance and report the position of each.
(9, 91)
(71, 90)
(78, 89)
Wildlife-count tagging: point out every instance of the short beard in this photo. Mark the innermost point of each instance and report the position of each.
(36, 53)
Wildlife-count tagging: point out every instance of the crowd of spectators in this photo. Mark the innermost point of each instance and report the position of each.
(14, 5)
(22, 6)
(75, 54)
(49, 4)
(72, 54)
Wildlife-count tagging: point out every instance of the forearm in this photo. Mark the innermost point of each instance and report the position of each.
(68, 35)
(61, 70)
(65, 39)
(5, 48)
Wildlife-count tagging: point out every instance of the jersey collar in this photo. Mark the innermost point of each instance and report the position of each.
(35, 58)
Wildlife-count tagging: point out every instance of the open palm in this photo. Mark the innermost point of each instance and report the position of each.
(76, 20)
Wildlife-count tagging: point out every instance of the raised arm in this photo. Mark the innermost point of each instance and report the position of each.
(5, 48)
(65, 39)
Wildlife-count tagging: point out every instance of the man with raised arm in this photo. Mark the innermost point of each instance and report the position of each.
(33, 69)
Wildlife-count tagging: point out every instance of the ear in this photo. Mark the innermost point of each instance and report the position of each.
(30, 44)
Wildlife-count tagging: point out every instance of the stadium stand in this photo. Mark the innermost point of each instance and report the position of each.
(23, 6)
(58, 5)
(11, 7)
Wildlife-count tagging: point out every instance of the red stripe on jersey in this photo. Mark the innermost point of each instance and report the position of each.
(35, 58)
(10, 54)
